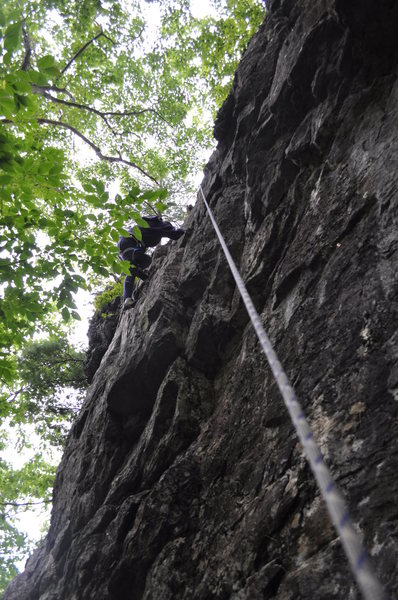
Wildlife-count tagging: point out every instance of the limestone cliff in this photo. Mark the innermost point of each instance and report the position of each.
(182, 477)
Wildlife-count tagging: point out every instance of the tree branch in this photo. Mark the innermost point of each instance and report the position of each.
(97, 150)
(83, 48)
(131, 113)
(38, 89)
(136, 113)
(18, 504)
(61, 361)
(149, 205)
(109, 38)
(12, 396)
(28, 49)
(42, 92)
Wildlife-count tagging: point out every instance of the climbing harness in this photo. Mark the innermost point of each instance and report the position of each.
(357, 556)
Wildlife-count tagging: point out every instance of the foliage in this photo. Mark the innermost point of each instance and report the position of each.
(108, 295)
(12, 549)
(208, 48)
(49, 389)
(19, 490)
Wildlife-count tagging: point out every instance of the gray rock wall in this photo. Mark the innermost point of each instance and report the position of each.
(182, 477)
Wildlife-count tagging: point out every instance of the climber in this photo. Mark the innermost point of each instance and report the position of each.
(134, 251)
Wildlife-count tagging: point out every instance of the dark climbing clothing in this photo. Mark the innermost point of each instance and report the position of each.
(133, 250)
(151, 235)
(139, 261)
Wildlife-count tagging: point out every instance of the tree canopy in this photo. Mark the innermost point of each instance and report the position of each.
(92, 95)
(105, 113)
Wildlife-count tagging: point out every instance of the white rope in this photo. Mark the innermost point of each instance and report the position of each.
(358, 558)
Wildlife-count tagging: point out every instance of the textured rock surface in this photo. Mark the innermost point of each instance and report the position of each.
(100, 333)
(182, 476)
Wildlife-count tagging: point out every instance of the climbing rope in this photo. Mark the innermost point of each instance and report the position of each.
(358, 558)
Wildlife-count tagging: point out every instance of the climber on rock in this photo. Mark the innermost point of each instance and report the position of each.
(134, 250)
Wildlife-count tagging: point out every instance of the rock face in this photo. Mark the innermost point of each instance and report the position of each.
(100, 333)
(182, 477)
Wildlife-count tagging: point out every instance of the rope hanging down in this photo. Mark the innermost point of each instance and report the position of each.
(358, 558)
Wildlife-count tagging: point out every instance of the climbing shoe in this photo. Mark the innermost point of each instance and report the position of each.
(176, 234)
(128, 303)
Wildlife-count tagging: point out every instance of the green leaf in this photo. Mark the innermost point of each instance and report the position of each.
(139, 220)
(65, 314)
(125, 267)
(137, 232)
(51, 72)
(38, 78)
(12, 37)
(133, 193)
(35, 308)
(4, 179)
(46, 62)
(160, 206)
(88, 186)
(20, 82)
(163, 194)
(94, 200)
(99, 186)
(13, 30)
(7, 58)
(149, 195)
(8, 107)
(115, 235)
